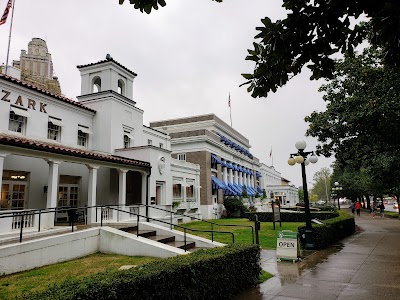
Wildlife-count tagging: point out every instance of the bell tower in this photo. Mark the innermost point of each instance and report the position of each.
(106, 75)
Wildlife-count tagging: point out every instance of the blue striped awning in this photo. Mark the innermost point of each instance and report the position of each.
(215, 159)
(216, 183)
(259, 190)
(258, 174)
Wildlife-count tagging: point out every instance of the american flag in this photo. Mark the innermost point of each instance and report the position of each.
(6, 11)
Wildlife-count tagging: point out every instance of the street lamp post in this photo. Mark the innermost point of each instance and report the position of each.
(301, 158)
(337, 188)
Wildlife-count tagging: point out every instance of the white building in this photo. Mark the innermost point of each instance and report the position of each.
(57, 152)
(277, 187)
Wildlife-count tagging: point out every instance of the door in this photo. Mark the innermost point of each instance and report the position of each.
(13, 195)
(68, 195)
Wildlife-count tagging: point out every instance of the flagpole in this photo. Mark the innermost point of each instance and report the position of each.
(9, 37)
(230, 108)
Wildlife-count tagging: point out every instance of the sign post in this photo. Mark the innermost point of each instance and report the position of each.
(276, 211)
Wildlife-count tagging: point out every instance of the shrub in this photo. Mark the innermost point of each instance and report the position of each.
(295, 216)
(217, 273)
(331, 231)
(233, 205)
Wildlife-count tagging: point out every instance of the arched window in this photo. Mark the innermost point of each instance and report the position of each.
(96, 85)
(121, 87)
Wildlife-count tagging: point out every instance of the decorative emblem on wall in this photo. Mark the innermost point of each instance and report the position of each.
(161, 164)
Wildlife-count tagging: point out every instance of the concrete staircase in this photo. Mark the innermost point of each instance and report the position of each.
(165, 239)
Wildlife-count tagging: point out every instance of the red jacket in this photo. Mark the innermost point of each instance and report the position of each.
(358, 205)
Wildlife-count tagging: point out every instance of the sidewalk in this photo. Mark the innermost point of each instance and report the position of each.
(363, 266)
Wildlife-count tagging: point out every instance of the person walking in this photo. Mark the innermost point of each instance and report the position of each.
(358, 208)
(381, 207)
(372, 210)
(352, 207)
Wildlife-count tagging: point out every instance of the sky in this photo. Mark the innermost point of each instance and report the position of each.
(188, 56)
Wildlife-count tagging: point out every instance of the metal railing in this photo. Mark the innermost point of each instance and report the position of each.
(211, 223)
(175, 225)
(24, 218)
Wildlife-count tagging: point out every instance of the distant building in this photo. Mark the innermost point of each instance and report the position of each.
(37, 67)
(277, 187)
(226, 164)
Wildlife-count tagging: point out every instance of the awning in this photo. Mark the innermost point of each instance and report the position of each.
(235, 188)
(20, 112)
(216, 183)
(215, 159)
(258, 174)
(129, 135)
(259, 190)
(84, 129)
(55, 122)
(227, 190)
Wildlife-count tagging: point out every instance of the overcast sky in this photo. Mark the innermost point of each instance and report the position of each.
(188, 56)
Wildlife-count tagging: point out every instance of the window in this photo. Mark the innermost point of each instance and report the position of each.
(177, 189)
(16, 123)
(121, 87)
(182, 156)
(96, 85)
(127, 141)
(83, 135)
(128, 138)
(53, 132)
(149, 142)
(82, 138)
(161, 145)
(190, 190)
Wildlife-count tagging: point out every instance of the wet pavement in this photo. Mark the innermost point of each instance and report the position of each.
(364, 266)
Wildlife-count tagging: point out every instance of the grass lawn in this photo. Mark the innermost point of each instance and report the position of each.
(13, 286)
(267, 234)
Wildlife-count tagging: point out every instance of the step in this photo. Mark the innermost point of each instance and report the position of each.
(181, 245)
(162, 238)
(143, 233)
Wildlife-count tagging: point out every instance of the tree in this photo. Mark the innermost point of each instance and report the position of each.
(315, 30)
(322, 182)
(361, 121)
(311, 33)
(147, 5)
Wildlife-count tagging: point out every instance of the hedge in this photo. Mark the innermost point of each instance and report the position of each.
(217, 273)
(331, 231)
(291, 216)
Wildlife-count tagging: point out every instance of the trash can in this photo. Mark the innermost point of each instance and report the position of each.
(287, 245)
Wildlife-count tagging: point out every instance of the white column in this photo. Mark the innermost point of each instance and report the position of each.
(241, 178)
(52, 189)
(230, 175)
(122, 187)
(252, 180)
(225, 174)
(235, 177)
(2, 157)
(92, 188)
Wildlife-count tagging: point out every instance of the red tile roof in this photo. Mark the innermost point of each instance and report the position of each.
(42, 91)
(108, 58)
(22, 142)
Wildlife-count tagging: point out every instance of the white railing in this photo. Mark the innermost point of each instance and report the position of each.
(27, 221)
(107, 214)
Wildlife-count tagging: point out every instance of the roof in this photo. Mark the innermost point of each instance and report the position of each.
(108, 59)
(49, 147)
(45, 92)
